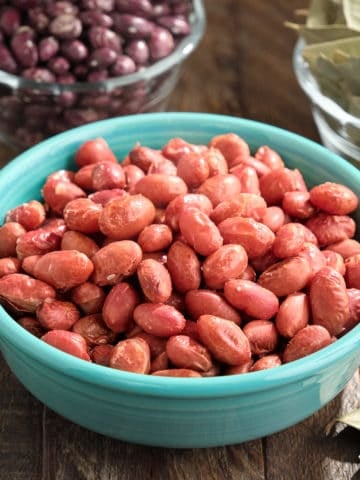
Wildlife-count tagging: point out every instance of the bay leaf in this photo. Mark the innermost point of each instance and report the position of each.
(354, 105)
(352, 419)
(318, 15)
(327, 68)
(324, 12)
(333, 90)
(321, 34)
(349, 46)
(352, 14)
(349, 71)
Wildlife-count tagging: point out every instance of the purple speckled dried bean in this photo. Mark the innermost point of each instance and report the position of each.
(177, 25)
(132, 26)
(48, 48)
(66, 27)
(123, 65)
(135, 7)
(138, 50)
(160, 9)
(102, 5)
(74, 50)
(58, 65)
(92, 18)
(100, 37)
(39, 75)
(10, 20)
(102, 58)
(7, 61)
(24, 49)
(38, 19)
(161, 43)
(98, 76)
(54, 9)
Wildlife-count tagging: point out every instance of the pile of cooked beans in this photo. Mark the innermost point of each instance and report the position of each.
(185, 260)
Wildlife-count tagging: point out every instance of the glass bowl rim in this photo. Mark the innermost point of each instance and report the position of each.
(310, 86)
(179, 54)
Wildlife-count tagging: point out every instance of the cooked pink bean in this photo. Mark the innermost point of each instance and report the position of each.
(124, 217)
(233, 147)
(243, 205)
(93, 329)
(161, 188)
(220, 188)
(57, 314)
(155, 280)
(176, 207)
(115, 261)
(251, 298)
(159, 319)
(82, 215)
(293, 314)
(287, 276)
(255, 237)
(199, 231)
(203, 301)
(24, 293)
(68, 342)
(63, 269)
(228, 262)
(329, 300)
(308, 340)
(224, 339)
(30, 215)
(119, 306)
(334, 198)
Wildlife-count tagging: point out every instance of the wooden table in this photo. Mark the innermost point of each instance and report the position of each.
(243, 68)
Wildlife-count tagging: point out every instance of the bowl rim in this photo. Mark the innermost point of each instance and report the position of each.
(311, 88)
(183, 49)
(16, 337)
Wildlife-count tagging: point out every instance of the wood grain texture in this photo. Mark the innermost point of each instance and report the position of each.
(20, 430)
(243, 68)
(306, 448)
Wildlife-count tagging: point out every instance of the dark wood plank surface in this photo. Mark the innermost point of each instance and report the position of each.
(243, 68)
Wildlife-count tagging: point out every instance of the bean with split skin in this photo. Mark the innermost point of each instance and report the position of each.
(131, 355)
(115, 261)
(56, 314)
(93, 329)
(24, 293)
(125, 217)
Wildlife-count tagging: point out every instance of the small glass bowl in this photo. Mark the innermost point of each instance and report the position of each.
(338, 130)
(32, 111)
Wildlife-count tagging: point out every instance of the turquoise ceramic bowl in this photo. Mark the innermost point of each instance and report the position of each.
(175, 412)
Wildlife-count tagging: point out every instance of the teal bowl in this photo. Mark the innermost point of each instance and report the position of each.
(162, 411)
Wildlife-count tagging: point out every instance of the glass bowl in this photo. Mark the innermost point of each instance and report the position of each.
(165, 411)
(338, 130)
(32, 111)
